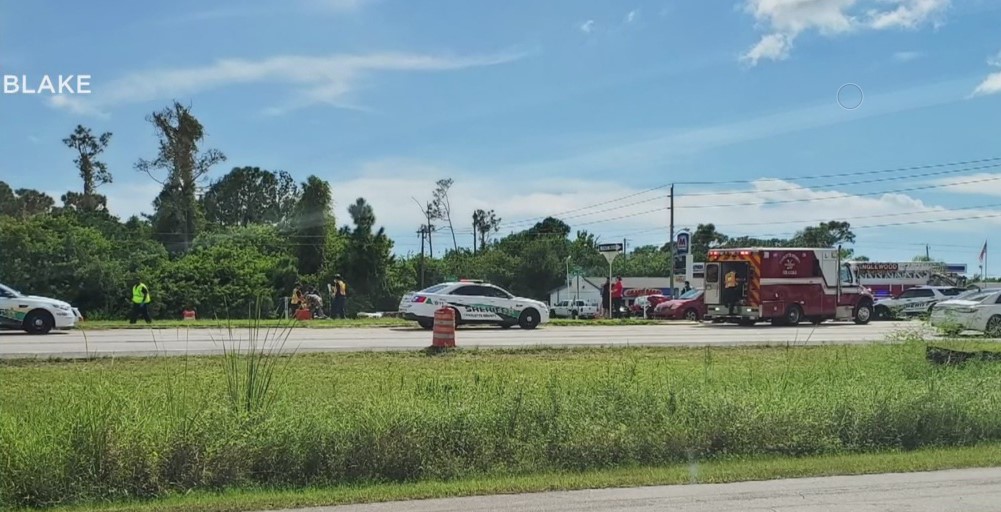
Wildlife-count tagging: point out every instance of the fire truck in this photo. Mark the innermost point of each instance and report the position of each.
(783, 285)
(888, 279)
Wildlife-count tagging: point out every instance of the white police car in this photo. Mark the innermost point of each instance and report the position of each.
(917, 301)
(474, 302)
(36, 315)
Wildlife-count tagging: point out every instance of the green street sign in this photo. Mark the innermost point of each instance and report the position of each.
(577, 271)
(451, 279)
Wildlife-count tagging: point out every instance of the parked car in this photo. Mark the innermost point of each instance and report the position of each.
(644, 304)
(917, 301)
(977, 312)
(688, 306)
(474, 302)
(36, 315)
(574, 309)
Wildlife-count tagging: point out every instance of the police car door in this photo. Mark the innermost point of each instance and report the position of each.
(8, 313)
(471, 303)
(502, 304)
(918, 300)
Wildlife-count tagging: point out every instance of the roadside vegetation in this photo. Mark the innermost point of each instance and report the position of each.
(116, 431)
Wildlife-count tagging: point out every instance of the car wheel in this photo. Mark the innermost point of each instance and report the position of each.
(529, 319)
(426, 323)
(863, 313)
(881, 313)
(993, 327)
(691, 315)
(39, 322)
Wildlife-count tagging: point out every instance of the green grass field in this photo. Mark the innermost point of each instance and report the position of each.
(356, 427)
(322, 324)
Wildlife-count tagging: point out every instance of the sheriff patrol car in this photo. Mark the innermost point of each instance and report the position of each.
(474, 302)
(36, 315)
(917, 301)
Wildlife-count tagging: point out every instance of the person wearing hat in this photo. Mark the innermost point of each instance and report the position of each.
(340, 297)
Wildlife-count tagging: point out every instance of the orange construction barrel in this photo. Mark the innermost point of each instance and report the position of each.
(444, 328)
(189, 315)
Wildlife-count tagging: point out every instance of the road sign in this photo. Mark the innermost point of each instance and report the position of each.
(682, 245)
(610, 251)
(577, 271)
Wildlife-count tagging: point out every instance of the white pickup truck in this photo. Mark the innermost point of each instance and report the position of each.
(573, 309)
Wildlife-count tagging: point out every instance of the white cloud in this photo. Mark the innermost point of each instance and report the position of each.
(995, 61)
(907, 56)
(785, 20)
(631, 16)
(128, 199)
(771, 47)
(34, 139)
(907, 14)
(587, 27)
(337, 6)
(991, 84)
(319, 80)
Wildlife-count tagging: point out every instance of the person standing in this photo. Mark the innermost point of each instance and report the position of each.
(340, 297)
(687, 288)
(617, 291)
(606, 299)
(140, 302)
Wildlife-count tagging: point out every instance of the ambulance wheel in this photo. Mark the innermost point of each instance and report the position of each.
(793, 316)
(863, 313)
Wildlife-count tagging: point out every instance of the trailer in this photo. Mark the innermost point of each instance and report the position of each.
(784, 286)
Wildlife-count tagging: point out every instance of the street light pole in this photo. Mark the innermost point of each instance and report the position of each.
(671, 243)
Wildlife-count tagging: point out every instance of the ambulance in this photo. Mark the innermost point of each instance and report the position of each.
(783, 286)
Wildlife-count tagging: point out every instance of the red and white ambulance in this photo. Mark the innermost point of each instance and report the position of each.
(784, 285)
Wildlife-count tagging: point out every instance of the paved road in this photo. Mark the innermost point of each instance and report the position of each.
(975, 490)
(206, 341)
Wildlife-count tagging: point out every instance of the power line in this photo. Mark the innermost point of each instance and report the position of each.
(995, 160)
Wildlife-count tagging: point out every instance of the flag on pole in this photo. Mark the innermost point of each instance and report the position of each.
(983, 252)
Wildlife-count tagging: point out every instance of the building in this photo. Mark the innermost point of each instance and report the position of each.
(588, 289)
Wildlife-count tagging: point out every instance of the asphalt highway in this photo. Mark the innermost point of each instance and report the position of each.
(136, 342)
(973, 490)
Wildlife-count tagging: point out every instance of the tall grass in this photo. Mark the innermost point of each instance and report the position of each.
(251, 371)
(105, 430)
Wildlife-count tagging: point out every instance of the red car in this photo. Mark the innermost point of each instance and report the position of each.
(689, 306)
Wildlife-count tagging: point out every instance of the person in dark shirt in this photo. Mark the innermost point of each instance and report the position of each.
(605, 290)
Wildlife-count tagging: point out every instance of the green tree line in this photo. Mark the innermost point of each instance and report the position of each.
(220, 246)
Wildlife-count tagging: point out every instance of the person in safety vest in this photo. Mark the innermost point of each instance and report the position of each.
(340, 293)
(140, 302)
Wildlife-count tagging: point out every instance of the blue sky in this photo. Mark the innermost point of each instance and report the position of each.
(538, 108)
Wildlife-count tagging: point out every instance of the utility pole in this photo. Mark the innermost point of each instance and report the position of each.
(670, 242)
(625, 250)
(928, 252)
(474, 237)
(420, 232)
